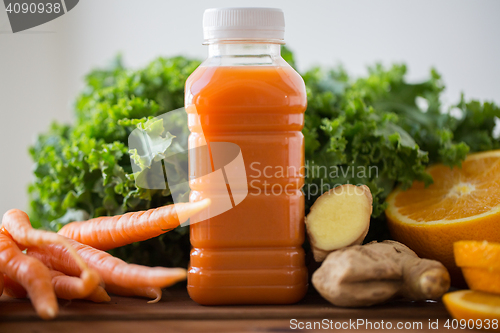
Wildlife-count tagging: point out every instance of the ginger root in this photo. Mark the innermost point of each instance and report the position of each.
(339, 218)
(363, 275)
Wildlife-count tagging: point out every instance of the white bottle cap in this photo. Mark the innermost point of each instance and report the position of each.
(243, 23)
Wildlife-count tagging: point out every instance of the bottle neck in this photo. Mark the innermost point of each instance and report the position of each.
(245, 49)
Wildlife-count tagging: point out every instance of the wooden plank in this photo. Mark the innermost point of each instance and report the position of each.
(193, 326)
(176, 305)
(176, 312)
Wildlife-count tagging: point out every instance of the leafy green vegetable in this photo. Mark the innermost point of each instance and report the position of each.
(84, 170)
(377, 130)
(345, 130)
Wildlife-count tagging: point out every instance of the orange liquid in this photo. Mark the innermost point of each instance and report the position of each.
(251, 254)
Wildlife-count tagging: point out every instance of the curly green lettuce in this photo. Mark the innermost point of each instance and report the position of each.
(83, 170)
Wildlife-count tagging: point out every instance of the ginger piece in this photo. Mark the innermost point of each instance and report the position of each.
(364, 275)
(339, 218)
(422, 278)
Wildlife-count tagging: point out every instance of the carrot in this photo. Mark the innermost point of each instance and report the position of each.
(65, 287)
(31, 274)
(108, 232)
(148, 292)
(18, 225)
(13, 289)
(111, 269)
(2, 284)
(70, 287)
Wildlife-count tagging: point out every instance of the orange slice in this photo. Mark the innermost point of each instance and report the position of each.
(480, 263)
(482, 279)
(463, 203)
(477, 254)
(481, 307)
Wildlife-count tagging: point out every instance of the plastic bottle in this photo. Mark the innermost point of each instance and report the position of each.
(245, 93)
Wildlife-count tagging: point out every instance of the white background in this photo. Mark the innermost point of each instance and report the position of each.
(41, 69)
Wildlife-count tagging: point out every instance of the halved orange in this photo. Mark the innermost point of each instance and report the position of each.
(462, 204)
(482, 308)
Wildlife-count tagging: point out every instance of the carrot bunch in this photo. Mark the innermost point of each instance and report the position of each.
(71, 264)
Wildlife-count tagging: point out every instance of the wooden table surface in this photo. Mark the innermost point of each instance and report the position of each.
(176, 312)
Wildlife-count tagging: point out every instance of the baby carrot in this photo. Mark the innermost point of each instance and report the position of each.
(13, 289)
(111, 269)
(31, 274)
(108, 232)
(18, 225)
(147, 292)
(70, 287)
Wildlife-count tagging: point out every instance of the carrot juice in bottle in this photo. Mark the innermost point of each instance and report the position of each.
(247, 95)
